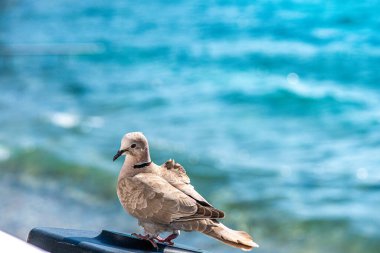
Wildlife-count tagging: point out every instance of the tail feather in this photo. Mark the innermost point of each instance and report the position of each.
(238, 239)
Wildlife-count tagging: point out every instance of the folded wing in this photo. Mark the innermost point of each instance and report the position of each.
(176, 175)
(150, 197)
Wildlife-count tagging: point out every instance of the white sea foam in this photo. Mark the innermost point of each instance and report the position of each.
(325, 33)
(362, 174)
(260, 45)
(274, 47)
(293, 79)
(64, 119)
(4, 153)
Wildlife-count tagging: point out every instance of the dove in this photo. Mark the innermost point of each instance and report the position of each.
(162, 199)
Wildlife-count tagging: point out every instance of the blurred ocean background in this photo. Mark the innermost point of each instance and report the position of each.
(273, 108)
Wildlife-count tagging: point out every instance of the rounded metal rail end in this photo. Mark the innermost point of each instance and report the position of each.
(60, 240)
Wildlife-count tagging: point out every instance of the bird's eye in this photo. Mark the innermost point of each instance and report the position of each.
(133, 145)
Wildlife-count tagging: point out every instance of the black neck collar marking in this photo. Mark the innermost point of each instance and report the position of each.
(141, 165)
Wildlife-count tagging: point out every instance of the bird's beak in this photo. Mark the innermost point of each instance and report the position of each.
(118, 154)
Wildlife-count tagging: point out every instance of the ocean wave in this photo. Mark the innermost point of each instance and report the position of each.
(44, 164)
(306, 96)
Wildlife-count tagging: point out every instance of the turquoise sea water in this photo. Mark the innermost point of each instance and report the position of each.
(272, 106)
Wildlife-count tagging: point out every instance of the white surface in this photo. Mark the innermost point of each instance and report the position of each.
(10, 244)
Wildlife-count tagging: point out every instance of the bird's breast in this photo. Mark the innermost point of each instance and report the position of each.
(123, 190)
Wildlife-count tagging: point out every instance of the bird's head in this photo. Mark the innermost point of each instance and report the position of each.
(134, 144)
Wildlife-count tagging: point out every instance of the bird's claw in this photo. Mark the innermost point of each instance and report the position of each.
(167, 240)
(147, 238)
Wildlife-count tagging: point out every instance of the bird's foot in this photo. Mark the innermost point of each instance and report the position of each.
(167, 240)
(146, 237)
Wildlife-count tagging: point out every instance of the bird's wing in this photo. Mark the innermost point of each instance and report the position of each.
(150, 197)
(176, 175)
